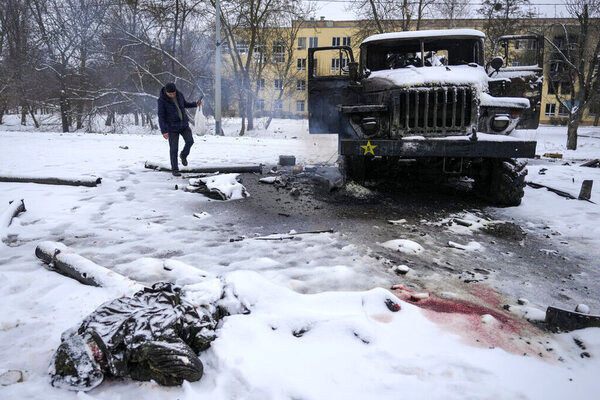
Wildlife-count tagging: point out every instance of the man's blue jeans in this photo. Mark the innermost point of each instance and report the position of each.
(174, 146)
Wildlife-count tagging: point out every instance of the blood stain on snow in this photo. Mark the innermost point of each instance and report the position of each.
(471, 320)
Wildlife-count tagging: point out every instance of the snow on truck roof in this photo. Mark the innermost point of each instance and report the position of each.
(437, 33)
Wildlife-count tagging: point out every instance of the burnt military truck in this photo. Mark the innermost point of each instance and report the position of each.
(427, 99)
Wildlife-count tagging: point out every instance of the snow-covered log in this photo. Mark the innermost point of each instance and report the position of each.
(212, 168)
(15, 207)
(66, 262)
(49, 180)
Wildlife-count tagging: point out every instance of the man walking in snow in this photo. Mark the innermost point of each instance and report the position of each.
(173, 121)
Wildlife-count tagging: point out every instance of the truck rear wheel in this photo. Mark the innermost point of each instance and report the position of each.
(502, 181)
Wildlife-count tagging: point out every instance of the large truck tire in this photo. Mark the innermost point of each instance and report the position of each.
(502, 181)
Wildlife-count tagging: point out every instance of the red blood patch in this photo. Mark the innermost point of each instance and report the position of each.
(465, 318)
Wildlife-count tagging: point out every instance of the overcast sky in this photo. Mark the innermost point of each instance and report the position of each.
(342, 10)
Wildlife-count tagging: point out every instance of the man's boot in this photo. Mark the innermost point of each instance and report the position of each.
(183, 160)
(176, 173)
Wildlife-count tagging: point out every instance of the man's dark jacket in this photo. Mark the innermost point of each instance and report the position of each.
(168, 117)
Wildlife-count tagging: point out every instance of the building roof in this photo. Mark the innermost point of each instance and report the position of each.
(437, 33)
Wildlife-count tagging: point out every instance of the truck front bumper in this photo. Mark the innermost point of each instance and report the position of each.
(487, 146)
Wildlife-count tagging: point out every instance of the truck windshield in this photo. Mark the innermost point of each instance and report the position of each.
(434, 52)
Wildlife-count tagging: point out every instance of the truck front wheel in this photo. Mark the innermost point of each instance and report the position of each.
(502, 181)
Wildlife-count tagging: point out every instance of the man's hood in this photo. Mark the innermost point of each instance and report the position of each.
(429, 76)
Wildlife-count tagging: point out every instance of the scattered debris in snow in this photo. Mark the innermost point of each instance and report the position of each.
(531, 314)
(400, 269)
(353, 189)
(11, 377)
(582, 308)
(488, 319)
(471, 246)
(522, 301)
(403, 246)
(226, 185)
(269, 179)
(202, 215)
(397, 221)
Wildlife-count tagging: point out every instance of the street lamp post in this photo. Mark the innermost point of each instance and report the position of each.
(218, 69)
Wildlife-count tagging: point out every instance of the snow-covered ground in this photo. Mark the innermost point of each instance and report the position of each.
(351, 345)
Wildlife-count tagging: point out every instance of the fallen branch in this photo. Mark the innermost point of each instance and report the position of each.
(15, 207)
(225, 169)
(68, 263)
(553, 190)
(89, 182)
(278, 236)
(592, 163)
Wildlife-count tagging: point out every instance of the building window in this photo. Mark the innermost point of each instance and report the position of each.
(301, 64)
(300, 105)
(278, 84)
(278, 51)
(335, 41)
(259, 54)
(313, 42)
(346, 40)
(565, 88)
(552, 87)
(301, 85)
(532, 44)
(242, 46)
(277, 105)
(315, 66)
(563, 111)
(259, 105)
(335, 64)
(261, 84)
(550, 110)
(301, 43)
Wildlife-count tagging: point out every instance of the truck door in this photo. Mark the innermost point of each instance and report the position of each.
(329, 85)
(521, 74)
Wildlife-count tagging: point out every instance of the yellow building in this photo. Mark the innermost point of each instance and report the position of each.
(321, 33)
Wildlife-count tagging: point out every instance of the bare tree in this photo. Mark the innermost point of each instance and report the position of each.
(380, 16)
(503, 17)
(574, 62)
(451, 11)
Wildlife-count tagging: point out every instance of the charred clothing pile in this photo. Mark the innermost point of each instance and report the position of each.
(153, 335)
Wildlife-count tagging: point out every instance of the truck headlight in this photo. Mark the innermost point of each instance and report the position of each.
(500, 122)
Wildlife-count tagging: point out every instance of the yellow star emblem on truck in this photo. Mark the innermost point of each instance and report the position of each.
(368, 148)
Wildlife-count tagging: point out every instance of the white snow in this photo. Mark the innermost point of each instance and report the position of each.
(403, 245)
(438, 33)
(583, 308)
(485, 99)
(528, 312)
(423, 76)
(226, 184)
(471, 246)
(318, 326)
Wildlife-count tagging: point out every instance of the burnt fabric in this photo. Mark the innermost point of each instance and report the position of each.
(155, 334)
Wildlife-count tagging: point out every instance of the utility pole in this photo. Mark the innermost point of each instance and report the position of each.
(218, 70)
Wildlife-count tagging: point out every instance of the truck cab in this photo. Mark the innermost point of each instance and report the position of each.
(423, 95)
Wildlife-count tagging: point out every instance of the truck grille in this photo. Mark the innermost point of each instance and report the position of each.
(434, 111)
